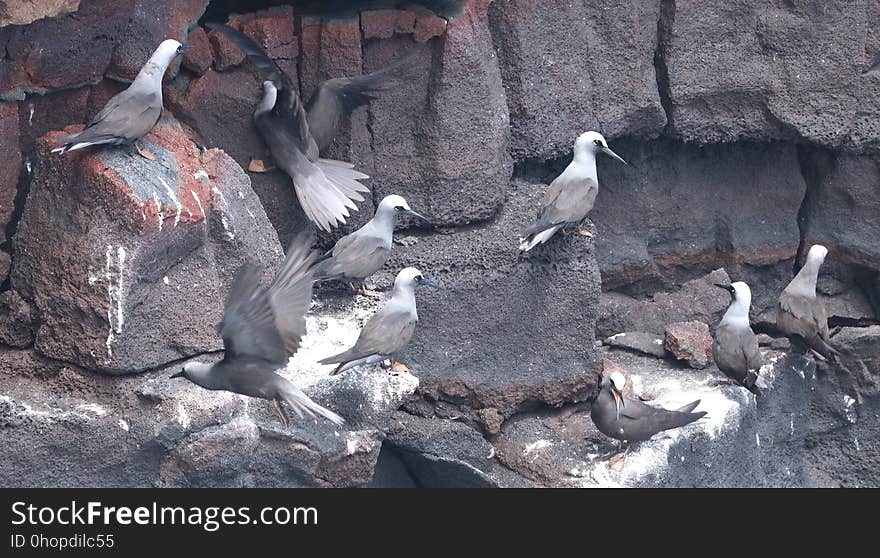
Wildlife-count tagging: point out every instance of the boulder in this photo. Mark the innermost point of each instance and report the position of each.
(690, 342)
(646, 343)
(504, 332)
(570, 67)
(128, 260)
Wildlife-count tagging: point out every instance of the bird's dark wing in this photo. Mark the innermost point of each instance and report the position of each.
(336, 98)
(641, 421)
(288, 107)
(248, 327)
(291, 292)
(566, 201)
(752, 353)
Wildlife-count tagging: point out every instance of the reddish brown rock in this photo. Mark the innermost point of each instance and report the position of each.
(18, 12)
(198, 57)
(226, 54)
(128, 260)
(10, 165)
(691, 342)
(379, 24)
(428, 26)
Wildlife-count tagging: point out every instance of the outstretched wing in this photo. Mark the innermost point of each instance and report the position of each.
(291, 292)
(248, 327)
(336, 98)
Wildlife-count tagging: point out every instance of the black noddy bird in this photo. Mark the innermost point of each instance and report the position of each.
(571, 195)
(735, 348)
(295, 134)
(261, 328)
(131, 114)
(630, 420)
(389, 330)
(362, 253)
(801, 315)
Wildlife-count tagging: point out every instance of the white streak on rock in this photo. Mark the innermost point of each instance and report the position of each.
(536, 446)
(123, 425)
(199, 203)
(115, 295)
(158, 208)
(228, 227)
(849, 409)
(178, 207)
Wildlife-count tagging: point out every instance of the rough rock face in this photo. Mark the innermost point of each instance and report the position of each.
(599, 55)
(22, 12)
(752, 129)
(784, 70)
(127, 260)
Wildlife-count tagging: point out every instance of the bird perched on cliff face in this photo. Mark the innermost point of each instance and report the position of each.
(261, 328)
(735, 348)
(389, 330)
(130, 114)
(630, 420)
(295, 134)
(571, 195)
(362, 253)
(801, 315)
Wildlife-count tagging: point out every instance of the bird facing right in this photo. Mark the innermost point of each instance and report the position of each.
(389, 330)
(571, 195)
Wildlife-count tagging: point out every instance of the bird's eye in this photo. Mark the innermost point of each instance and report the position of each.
(398, 208)
(598, 142)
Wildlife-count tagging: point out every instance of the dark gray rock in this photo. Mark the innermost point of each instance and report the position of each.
(16, 320)
(573, 67)
(504, 332)
(786, 70)
(647, 343)
(124, 266)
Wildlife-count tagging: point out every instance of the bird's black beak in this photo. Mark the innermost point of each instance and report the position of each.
(607, 151)
(182, 48)
(178, 375)
(429, 283)
(728, 288)
(418, 216)
(619, 403)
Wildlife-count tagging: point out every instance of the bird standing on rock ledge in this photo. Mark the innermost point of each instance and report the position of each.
(131, 114)
(261, 328)
(735, 348)
(630, 420)
(571, 195)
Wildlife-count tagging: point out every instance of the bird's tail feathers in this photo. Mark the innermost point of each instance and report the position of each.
(689, 407)
(529, 242)
(329, 191)
(301, 404)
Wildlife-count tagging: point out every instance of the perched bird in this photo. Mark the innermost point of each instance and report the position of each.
(735, 348)
(362, 253)
(571, 195)
(295, 134)
(389, 330)
(261, 328)
(800, 314)
(130, 114)
(630, 420)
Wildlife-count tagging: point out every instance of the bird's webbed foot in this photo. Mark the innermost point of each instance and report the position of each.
(368, 292)
(398, 367)
(617, 461)
(143, 152)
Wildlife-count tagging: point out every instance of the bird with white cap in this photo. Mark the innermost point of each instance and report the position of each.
(131, 114)
(358, 255)
(735, 347)
(389, 330)
(571, 195)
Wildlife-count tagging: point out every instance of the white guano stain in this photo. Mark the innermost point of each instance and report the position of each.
(115, 295)
(177, 205)
(158, 208)
(199, 203)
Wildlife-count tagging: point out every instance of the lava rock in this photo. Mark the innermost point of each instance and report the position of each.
(199, 56)
(691, 342)
(14, 12)
(127, 260)
(16, 320)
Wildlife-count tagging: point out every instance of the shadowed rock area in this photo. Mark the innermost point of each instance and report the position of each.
(751, 133)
